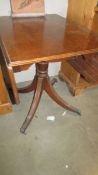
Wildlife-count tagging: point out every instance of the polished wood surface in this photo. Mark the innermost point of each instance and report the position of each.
(8, 74)
(81, 72)
(96, 9)
(42, 40)
(42, 83)
(5, 105)
(82, 12)
(49, 38)
(95, 23)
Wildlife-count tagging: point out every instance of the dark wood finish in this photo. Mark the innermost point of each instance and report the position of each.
(29, 40)
(5, 105)
(41, 82)
(28, 88)
(37, 40)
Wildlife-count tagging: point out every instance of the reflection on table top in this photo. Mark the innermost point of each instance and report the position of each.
(48, 38)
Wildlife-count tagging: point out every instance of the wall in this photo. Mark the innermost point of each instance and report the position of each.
(56, 7)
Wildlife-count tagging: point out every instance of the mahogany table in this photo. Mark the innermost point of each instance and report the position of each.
(41, 40)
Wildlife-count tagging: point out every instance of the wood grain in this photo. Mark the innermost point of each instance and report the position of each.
(5, 105)
(96, 9)
(82, 12)
(47, 38)
(88, 69)
(8, 74)
(95, 23)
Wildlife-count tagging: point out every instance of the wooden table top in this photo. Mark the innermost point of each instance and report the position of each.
(50, 38)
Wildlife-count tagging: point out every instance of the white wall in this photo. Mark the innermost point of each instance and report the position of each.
(4, 7)
(51, 6)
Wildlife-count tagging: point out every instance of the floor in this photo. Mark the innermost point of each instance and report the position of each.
(68, 145)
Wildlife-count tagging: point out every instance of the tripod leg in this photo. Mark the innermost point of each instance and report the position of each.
(34, 105)
(28, 88)
(53, 94)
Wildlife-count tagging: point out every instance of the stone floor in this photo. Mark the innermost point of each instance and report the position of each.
(66, 146)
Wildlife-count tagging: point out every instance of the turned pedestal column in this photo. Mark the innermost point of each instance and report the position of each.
(42, 82)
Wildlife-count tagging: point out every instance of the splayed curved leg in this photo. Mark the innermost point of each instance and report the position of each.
(40, 83)
(52, 93)
(34, 105)
(28, 88)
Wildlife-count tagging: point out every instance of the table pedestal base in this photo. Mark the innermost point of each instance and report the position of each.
(42, 82)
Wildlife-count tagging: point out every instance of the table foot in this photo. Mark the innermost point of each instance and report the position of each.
(78, 112)
(25, 125)
(42, 82)
(34, 105)
(53, 94)
(22, 130)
